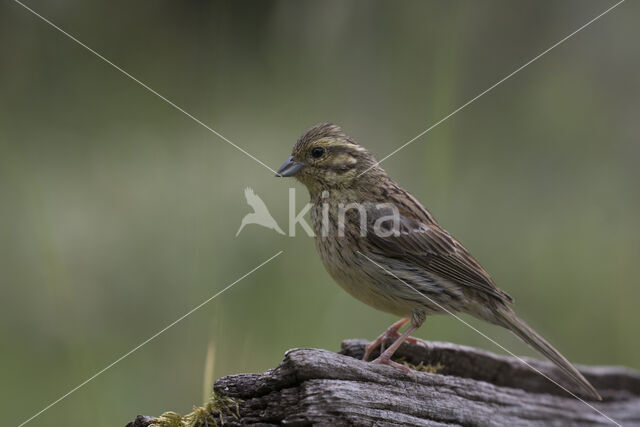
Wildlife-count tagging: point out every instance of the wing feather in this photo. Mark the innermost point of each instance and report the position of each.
(437, 252)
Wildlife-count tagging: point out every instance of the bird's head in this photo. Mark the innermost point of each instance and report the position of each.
(325, 157)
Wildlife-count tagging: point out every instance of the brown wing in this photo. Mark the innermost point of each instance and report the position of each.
(436, 251)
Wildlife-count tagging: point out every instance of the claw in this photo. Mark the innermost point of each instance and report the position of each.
(416, 341)
(405, 369)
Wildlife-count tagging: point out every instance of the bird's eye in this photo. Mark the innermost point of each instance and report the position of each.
(317, 152)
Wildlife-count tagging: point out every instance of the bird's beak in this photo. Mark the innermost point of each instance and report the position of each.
(289, 168)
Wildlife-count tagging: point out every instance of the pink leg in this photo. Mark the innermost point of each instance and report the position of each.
(385, 357)
(390, 333)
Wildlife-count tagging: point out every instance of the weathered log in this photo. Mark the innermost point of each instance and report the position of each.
(470, 387)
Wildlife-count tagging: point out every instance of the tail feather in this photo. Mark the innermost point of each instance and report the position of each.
(511, 321)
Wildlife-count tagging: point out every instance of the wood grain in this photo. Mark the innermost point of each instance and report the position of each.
(473, 387)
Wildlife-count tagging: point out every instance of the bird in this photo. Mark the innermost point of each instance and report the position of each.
(382, 246)
(260, 214)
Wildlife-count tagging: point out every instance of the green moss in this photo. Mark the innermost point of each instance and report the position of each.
(211, 414)
(432, 369)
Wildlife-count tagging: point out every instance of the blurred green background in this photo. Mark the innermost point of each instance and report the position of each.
(118, 213)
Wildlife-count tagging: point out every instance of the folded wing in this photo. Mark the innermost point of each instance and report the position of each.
(434, 250)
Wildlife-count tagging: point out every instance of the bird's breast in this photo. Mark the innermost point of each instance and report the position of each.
(342, 256)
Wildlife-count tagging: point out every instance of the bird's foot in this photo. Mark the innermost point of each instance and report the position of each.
(387, 361)
(390, 334)
(416, 341)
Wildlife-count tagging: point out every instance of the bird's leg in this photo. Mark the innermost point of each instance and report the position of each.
(391, 332)
(385, 357)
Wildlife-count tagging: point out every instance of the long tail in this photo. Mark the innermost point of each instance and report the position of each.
(508, 319)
